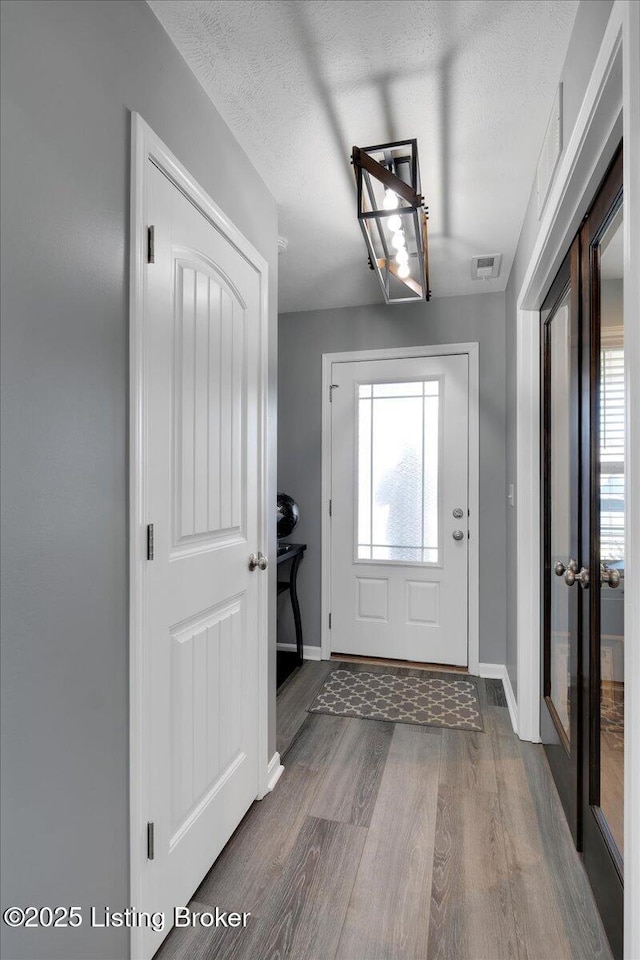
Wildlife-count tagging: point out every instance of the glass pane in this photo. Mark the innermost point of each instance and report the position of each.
(611, 440)
(559, 493)
(398, 456)
(413, 389)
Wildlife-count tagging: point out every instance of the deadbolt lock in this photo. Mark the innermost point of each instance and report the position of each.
(458, 513)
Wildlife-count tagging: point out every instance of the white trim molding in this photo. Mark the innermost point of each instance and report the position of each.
(145, 147)
(308, 652)
(401, 353)
(498, 671)
(274, 772)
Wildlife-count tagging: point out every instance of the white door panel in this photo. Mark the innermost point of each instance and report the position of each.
(399, 455)
(201, 415)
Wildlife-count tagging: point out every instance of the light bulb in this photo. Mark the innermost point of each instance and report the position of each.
(397, 241)
(403, 271)
(390, 201)
(402, 256)
(394, 223)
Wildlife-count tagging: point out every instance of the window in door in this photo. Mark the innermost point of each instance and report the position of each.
(611, 528)
(398, 463)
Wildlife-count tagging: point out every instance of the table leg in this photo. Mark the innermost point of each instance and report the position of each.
(295, 605)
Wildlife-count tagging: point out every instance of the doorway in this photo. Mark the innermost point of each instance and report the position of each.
(583, 510)
(198, 601)
(400, 473)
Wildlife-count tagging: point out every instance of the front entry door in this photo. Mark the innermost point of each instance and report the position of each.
(582, 718)
(201, 336)
(399, 523)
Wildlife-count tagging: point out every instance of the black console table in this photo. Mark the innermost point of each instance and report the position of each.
(293, 552)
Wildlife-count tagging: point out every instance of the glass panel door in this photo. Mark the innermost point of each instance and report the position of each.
(583, 510)
(611, 426)
(561, 373)
(602, 533)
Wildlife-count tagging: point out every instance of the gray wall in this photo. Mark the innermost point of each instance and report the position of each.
(71, 74)
(303, 338)
(586, 37)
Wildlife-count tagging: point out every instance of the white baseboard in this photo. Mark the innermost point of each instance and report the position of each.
(498, 671)
(274, 772)
(308, 653)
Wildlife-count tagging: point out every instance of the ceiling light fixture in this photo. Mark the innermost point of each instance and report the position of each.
(388, 182)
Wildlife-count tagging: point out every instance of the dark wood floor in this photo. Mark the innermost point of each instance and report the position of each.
(388, 841)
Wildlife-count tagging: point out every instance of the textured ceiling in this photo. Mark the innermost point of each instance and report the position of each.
(300, 82)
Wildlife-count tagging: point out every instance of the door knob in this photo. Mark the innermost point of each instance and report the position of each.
(609, 576)
(559, 567)
(257, 560)
(582, 577)
(458, 535)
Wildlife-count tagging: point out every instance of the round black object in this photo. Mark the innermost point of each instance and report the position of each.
(288, 515)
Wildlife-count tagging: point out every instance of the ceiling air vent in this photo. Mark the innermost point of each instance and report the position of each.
(486, 268)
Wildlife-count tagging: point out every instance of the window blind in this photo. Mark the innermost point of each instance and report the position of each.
(612, 453)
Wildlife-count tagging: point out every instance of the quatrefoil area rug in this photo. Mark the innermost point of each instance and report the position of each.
(429, 701)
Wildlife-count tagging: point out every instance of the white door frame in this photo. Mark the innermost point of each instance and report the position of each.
(145, 147)
(610, 110)
(401, 353)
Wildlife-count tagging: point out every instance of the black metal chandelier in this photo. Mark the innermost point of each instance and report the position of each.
(393, 218)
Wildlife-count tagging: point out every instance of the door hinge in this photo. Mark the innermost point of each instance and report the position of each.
(150, 838)
(149, 541)
(329, 621)
(332, 387)
(151, 245)
(330, 508)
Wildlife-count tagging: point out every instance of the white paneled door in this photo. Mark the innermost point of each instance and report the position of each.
(201, 416)
(399, 508)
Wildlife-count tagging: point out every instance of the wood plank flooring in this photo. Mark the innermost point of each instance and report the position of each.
(391, 841)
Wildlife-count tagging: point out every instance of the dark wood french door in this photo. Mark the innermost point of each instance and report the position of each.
(583, 424)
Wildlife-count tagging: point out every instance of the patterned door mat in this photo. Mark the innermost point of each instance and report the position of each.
(429, 701)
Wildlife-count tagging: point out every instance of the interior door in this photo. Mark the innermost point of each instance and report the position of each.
(583, 417)
(560, 714)
(200, 409)
(399, 517)
(604, 546)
